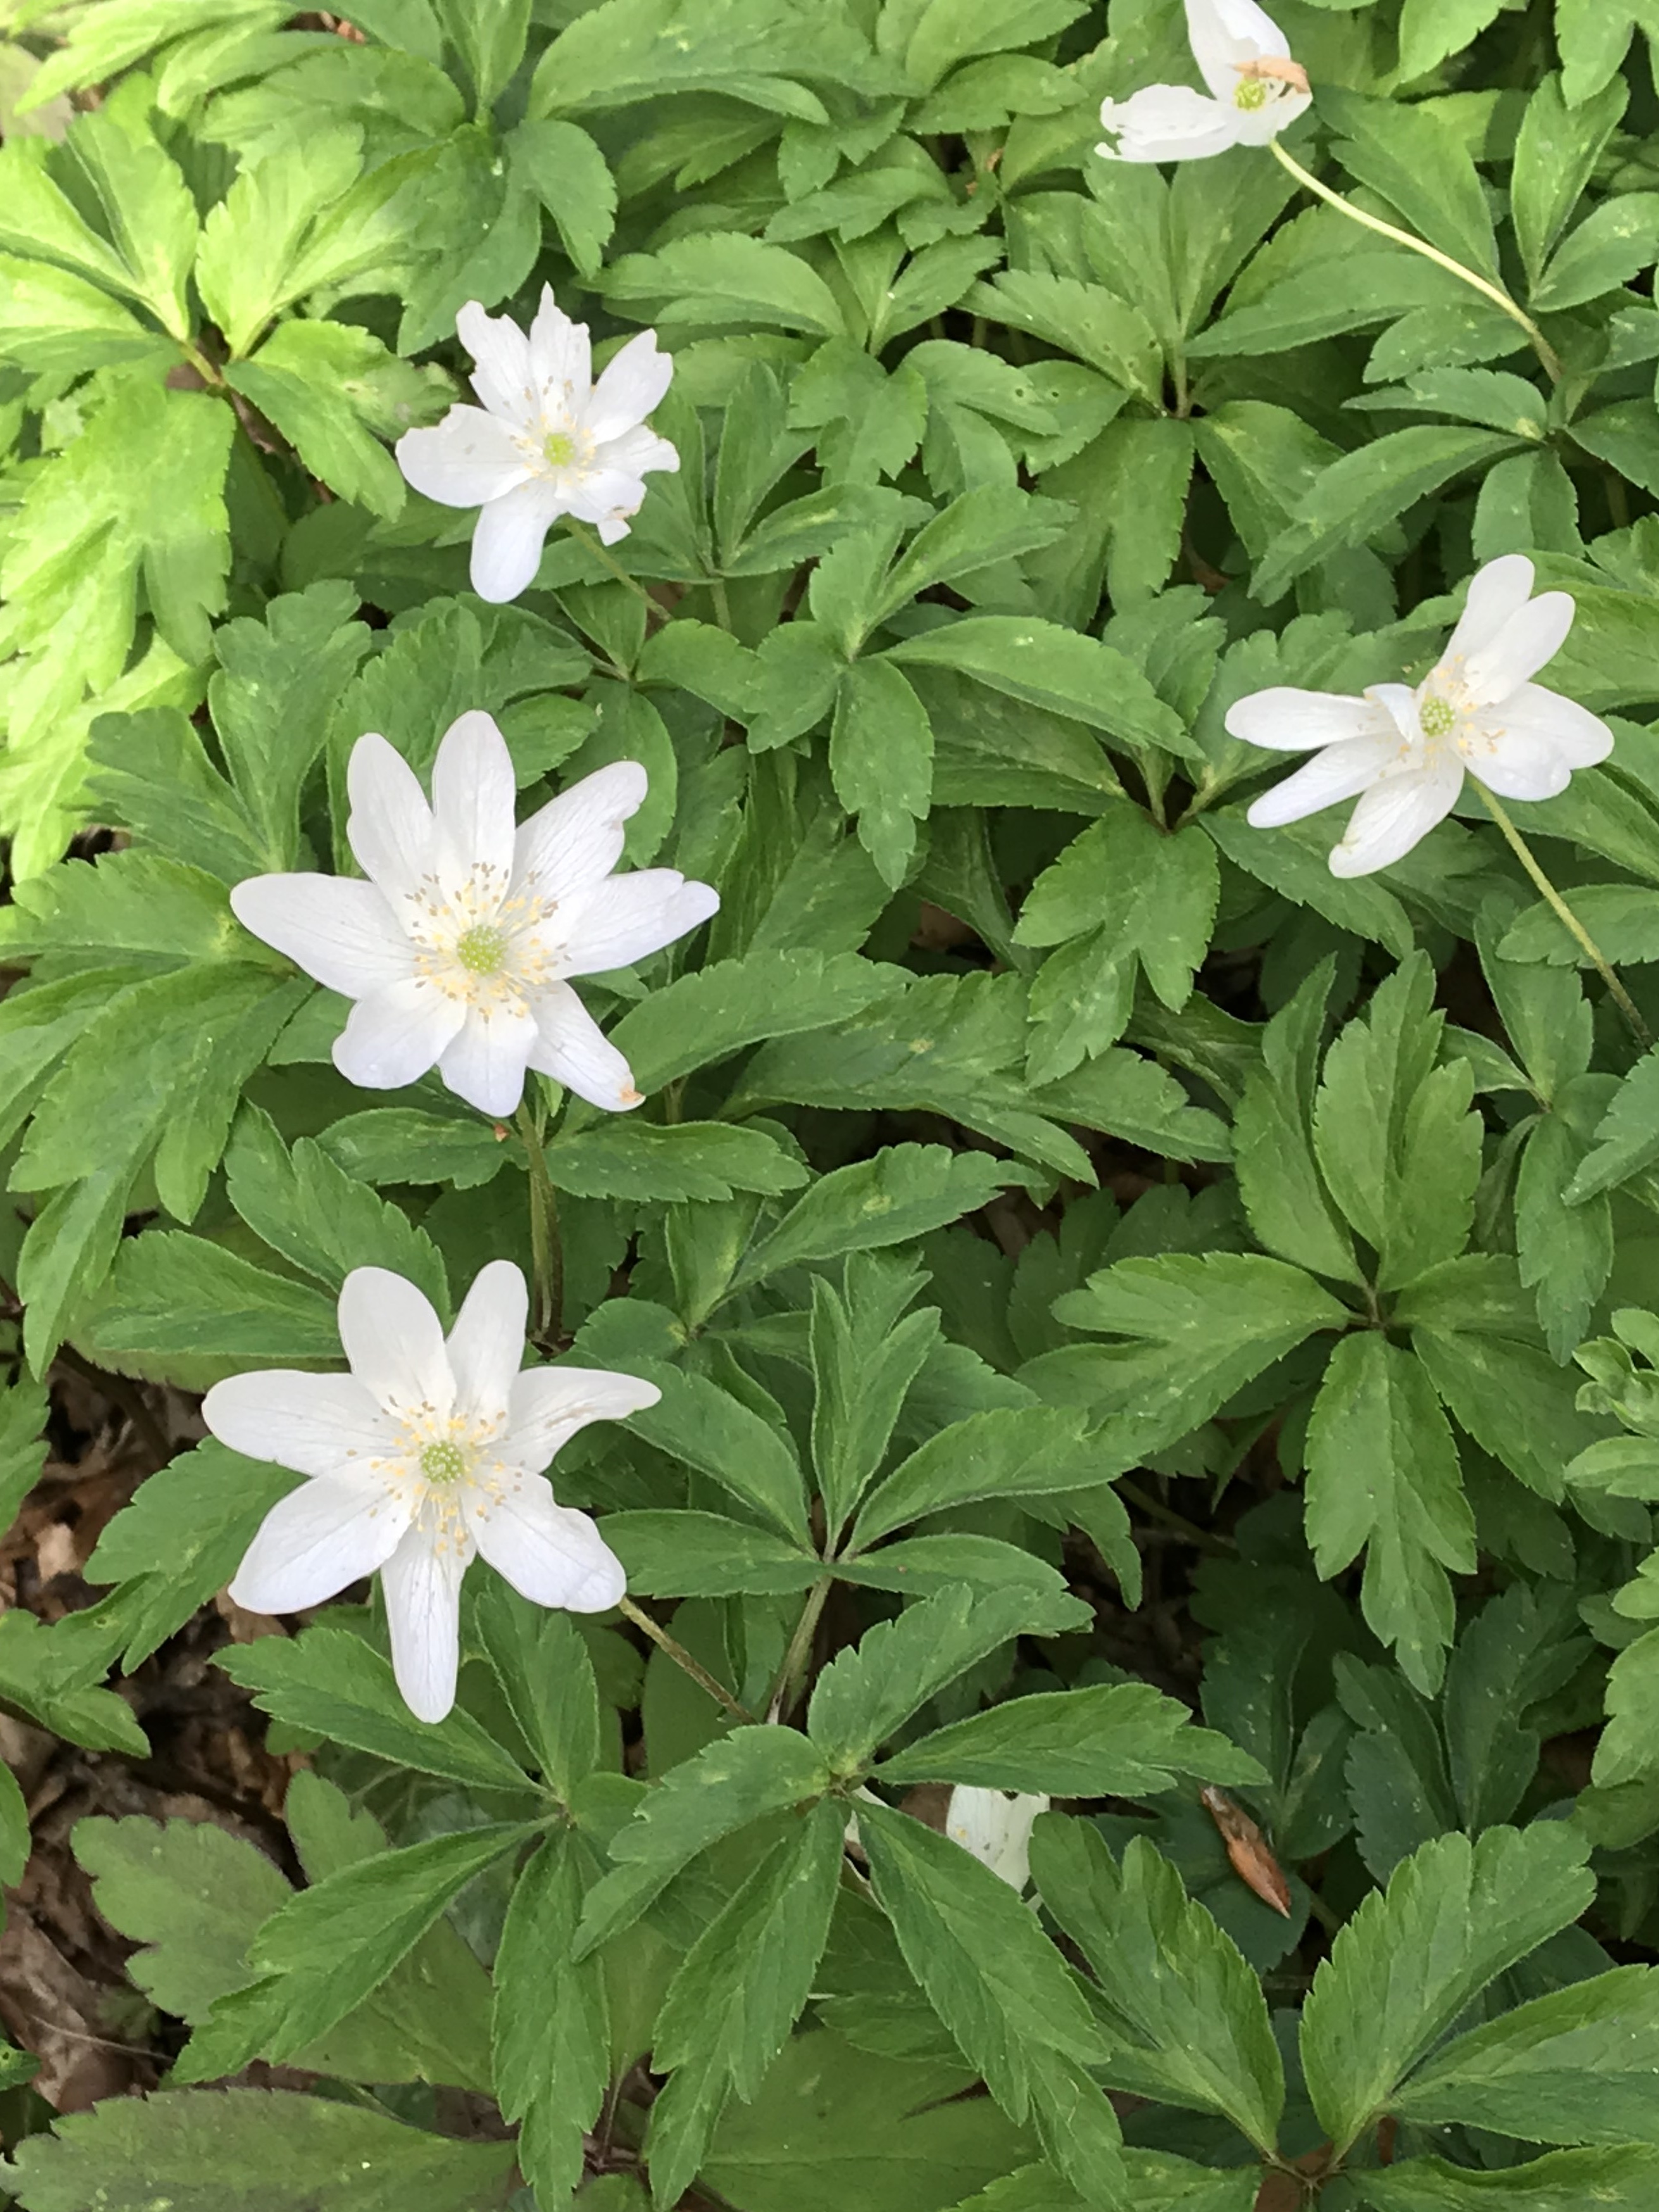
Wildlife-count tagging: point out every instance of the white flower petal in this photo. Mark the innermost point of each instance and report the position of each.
(1515, 653)
(1259, 127)
(485, 1060)
(467, 459)
(1337, 773)
(547, 1405)
(389, 826)
(996, 1828)
(506, 544)
(561, 361)
(577, 838)
(1499, 590)
(1396, 813)
(314, 1542)
(637, 452)
(573, 1050)
(1287, 720)
(501, 375)
(473, 792)
(626, 917)
(318, 1425)
(607, 495)
(613, 527)
(423, 1587)
(486, 1345)
(550, 1554)
(1168, 123)
(1224, 33)
(628, 388)
(392, 1037)
(395, 1342)
(1580, 737)
(336, 928)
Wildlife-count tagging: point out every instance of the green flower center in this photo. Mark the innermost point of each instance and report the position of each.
(559, 448)
(1251, 93)
(443, 1462)
(1438, 717)
(482, 948)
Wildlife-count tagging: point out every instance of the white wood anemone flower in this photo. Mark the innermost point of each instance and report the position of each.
(1477, 712)
(430, 1449)
(457, 948)
(547, 441)
(996, 1828)
(1255, 90)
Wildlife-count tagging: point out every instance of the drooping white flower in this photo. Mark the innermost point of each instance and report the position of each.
(431, 1448)
(547, 441)
(996, 1828)
(1408, 751)
(1255, 90)
(457, 947)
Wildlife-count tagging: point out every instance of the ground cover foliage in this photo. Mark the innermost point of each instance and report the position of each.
(1142, 1322)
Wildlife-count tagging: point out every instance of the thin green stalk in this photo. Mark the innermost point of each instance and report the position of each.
(682, 1659)
(722, 605)
(800, 1643)
(1154, 1508)
(1499, 298)
(546, 1252)
(1570, 921)
(602, 552)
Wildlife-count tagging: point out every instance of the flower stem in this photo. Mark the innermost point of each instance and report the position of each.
(794, 1659)
(547, 1254)
(1499, 298)
(682, 1659)
(602, 552)
(1566, 915)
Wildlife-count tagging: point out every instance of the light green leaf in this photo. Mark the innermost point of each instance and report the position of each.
(1007, 1452)
(574, 183)
(1109, 1739)
(1556, 151)
(545, 1670)
(1561, 2181)
(881, 760)
(1455, 1915)
(1405, 155)
(327, 388)
(251, 240)
(675, 1554)
(1382, 1472)
(552, 2028)
(902, 1192)
(707, 1428)
(714, 277)
(1059, 669)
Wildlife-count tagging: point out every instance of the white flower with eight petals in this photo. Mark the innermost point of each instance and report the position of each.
(430, 1447)
(547, 441)
(1255, 91)
(457, 947)
(1477, 711)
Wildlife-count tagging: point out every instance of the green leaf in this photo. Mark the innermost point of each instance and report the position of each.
(574, 183)
(318, 1217)
(327, 388)
(1109, 1739)
(1058, 670)
(1382, 1472)
(1087, 321)
(1288, 1207)
(59, 323)
(551, 2032)
(739, 1992)
(865, 1359)
(23, 1410)
(881, 760)
(903, 1192)
(1033, 1451)
(1565, 1250)
(1510, 1397)
(1431, 29)
(1201, 2036)
(311, 2155)
(406, 1144)
(251, 240)
(700, 1020)
(627, 50)
(489, 36)
(178, 1307)
(866, 1694)
(1199, 1328)
(1455, 1915)
(150, 210)
(706, 1427)
(1357, 496)
(948, 31)
(714, 277)
(734, 1781)
(543, 1664)
(1562, 2181)
(329, 1682)
(1613, 243)
(150, 774)
(1296, 862)
(1626, 1138)
(1338, 293)
(97, 1719)
(1404, 153)
(1556, 151)
(674, 1555)
(1491, 1757)
(1002, 1989)
(1575, 2066)
(14, 1839)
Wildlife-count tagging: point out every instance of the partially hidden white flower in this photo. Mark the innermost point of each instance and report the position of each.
(996, 1828)
(457, 947)
(430, 1448)
(547, 441)
(1255, 90)
(1408, 751)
